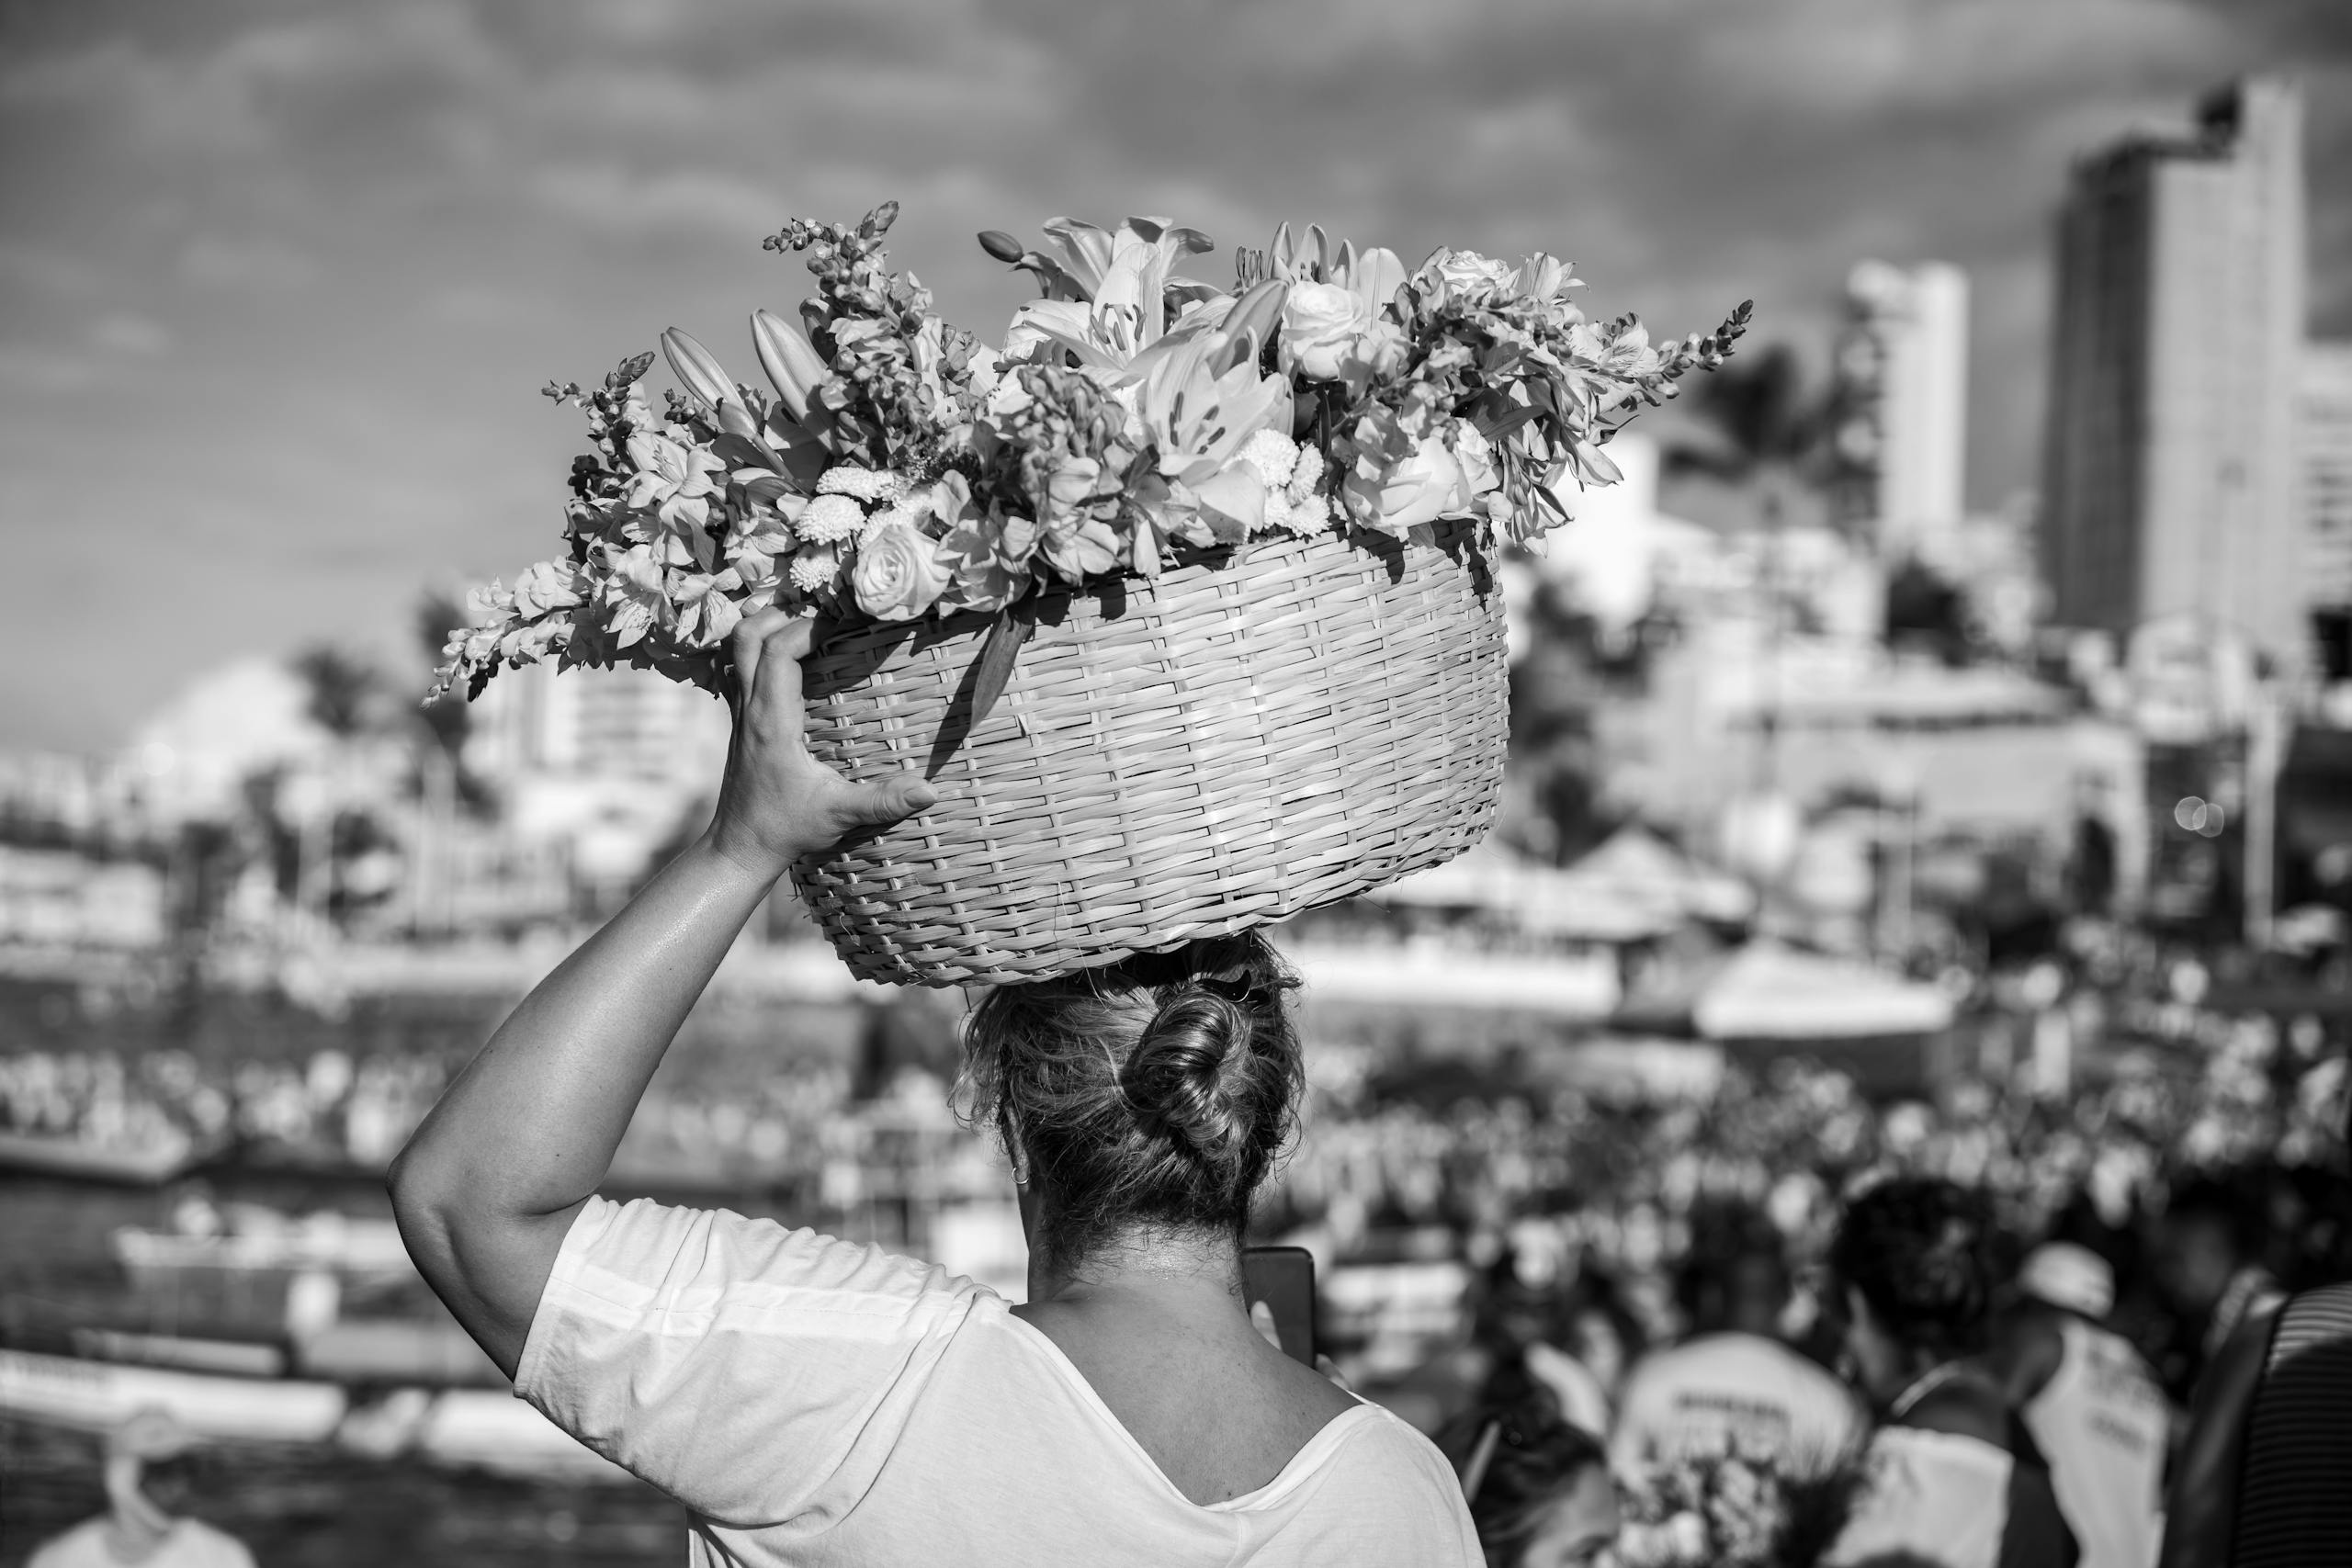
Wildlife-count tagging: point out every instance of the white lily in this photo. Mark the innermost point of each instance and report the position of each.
(1120, 281)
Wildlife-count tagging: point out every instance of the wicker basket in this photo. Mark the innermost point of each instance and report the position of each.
(1222, 747)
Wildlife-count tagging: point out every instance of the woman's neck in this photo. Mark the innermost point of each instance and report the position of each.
(1165, 1268)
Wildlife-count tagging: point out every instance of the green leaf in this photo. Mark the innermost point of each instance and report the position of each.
(1524, 414)
(994, 670)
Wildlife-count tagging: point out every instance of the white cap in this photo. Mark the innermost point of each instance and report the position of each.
(2069, 1276)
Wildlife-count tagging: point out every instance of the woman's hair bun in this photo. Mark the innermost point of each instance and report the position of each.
(1189, 1076)
(1151, 1093)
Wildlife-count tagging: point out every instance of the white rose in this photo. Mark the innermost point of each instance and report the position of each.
(1423, 487)
(1469, 276)
(1322, 325)
(1480, 473)
(898, 575)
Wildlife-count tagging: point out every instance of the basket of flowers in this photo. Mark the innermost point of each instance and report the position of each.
(1184, 598)
(1737, 1508)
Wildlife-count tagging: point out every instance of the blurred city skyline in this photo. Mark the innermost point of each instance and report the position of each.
(278, 285)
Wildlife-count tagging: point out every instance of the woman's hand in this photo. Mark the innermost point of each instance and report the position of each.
(488, 1185)
(778, 803)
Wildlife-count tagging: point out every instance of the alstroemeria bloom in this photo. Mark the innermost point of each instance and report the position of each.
(677, 479)
(637, 594)
(544, 586)
(1080, 547)
(979, 577)
(706, 612)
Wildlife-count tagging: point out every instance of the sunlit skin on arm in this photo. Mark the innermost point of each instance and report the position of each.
(490, 1183)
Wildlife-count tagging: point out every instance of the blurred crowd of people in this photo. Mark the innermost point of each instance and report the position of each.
(2041, 1255)
(796, 1125)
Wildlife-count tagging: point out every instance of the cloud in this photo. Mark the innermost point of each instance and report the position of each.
(362, 233)
(132, 335)
(474, 305)
(45, 372)
(609, 196)
(250, 262)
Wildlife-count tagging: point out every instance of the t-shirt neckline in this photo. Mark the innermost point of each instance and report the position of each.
(1294, 1469)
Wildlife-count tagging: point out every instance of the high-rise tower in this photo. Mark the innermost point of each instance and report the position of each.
(2170, 455)
(1904, 365)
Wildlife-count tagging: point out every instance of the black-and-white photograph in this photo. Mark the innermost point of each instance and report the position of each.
(1281, 784)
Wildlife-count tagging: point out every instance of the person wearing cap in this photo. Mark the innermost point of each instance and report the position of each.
(2091, 1403)
(138, 1528)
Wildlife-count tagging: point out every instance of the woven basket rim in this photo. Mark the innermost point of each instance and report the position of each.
(1301, 723)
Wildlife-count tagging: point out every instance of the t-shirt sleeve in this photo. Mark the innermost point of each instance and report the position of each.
(758, 1375)
(1392, 1498)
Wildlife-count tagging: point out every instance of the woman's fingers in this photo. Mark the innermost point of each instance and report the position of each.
(879, 804)
(785, 646)
(748, 641)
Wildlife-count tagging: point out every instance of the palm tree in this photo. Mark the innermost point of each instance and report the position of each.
(450, 720)
(1772, 434)
(343, 688)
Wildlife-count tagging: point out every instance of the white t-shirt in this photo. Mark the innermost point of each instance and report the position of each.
(2102, 1424)
(1731, 1391)
(1928, 1497)
(816, 1402)
(192, 1543)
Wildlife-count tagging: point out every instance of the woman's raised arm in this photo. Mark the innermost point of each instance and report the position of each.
(489, 1184)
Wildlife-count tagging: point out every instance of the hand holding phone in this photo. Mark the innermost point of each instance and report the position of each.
(1282, 1280)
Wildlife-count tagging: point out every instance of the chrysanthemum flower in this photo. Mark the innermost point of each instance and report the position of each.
(815, 567)
(897, 512)
(832, 517)
(1274, 454)
(860, 484)
(1306, 472)
(1277, 515)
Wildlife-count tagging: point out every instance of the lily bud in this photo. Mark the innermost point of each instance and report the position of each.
(1002, 245)
(736, 420)
(791, 364)
(1283, 252)
(1254, 314)
(694, 367)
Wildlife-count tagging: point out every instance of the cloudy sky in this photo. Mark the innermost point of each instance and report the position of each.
(278, 283)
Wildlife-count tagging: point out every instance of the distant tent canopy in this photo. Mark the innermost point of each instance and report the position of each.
(1635, 886)
(1766, 991)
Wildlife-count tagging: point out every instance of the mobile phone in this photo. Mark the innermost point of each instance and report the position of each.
(1284, 1278)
